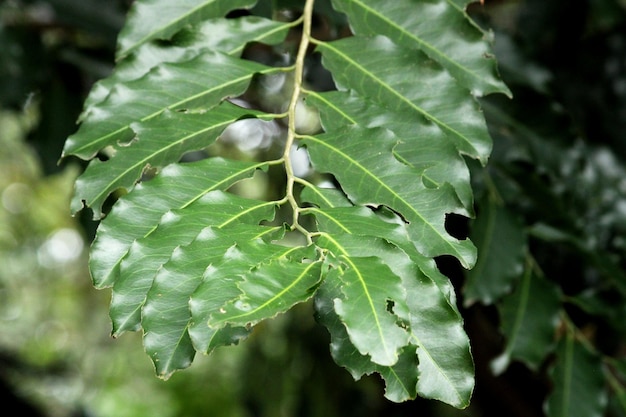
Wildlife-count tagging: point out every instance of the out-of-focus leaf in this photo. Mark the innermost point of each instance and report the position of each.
(501, 243)
(529, 318)
(595, 302)
(578, 384)
(606, 263)
(615, 371)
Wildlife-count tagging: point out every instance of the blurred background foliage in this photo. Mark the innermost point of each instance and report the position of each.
(558, 169)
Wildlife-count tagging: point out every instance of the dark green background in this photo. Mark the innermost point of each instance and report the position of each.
(565, 62)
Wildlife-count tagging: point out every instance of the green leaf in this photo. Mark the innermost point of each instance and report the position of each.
(501, 243)
(422, 145)
(368, 285)
(445, 363)
(273, 279)
(615, 371)
(166, 314)
(201, 82)
(601, 260)
(375, 177)
(215, 289)
(446, 368)
(229, 36)
(376, 69)
(578, 387)
(443, 32)
(176, 228)
(594, 303)
(137, 214)
(157, 142)
(529, 319)
(160, 19)
(400, 379)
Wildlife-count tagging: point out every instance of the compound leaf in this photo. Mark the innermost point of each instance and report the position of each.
(195, 261)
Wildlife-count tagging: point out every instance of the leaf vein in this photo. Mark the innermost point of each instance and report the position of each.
(402, 98)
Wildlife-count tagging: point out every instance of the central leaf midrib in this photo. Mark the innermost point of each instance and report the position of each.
(277, 295)
(346, 257)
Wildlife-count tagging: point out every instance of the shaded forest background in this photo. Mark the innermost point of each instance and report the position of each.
(565, 62)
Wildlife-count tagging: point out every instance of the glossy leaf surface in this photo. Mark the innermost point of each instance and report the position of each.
(378, 178)
(198, 253)
(177, 186)
(444, 32)
(364, 64)
(161, 19)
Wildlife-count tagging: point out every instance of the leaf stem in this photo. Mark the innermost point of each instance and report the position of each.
(291, 128)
